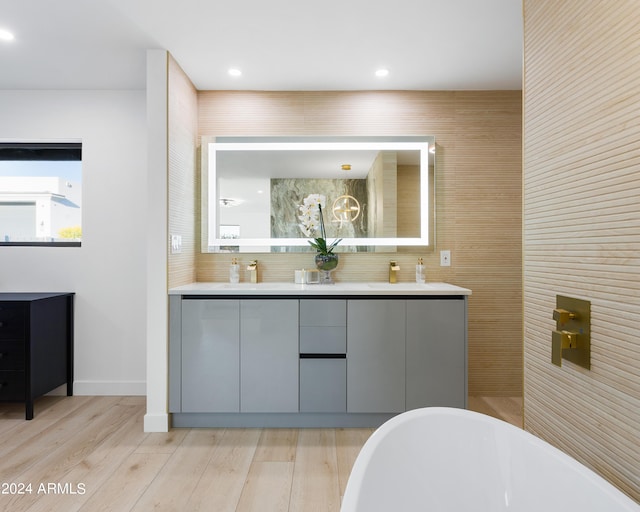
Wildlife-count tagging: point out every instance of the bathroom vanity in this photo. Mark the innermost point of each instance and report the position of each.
(291, 355)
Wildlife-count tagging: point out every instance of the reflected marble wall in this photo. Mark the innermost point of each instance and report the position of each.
(287, 194)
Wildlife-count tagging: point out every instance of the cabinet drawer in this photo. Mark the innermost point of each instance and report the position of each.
(323, 340)
(323, 313)
(323, 385)
(12, 319)
(11, 385)
(12, 355)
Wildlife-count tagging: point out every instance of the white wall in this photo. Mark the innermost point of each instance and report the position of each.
(108, 273)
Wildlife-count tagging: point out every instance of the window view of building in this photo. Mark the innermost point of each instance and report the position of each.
(40, 194)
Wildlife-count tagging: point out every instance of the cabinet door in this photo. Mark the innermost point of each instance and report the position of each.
(436, 353)
(269, 355)
(376, 356)
(210, 355)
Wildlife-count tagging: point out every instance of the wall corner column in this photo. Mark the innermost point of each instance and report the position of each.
(157, 417)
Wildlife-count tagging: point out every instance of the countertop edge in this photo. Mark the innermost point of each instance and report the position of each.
(338, 289)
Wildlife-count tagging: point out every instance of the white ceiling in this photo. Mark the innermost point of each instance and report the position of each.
(279, 45)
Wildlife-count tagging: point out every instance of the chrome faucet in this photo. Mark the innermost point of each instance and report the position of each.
(393, 271)
(252, 268)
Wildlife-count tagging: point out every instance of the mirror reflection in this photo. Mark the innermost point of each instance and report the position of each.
(263, 193)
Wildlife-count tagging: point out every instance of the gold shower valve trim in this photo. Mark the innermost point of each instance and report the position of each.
(571, 340)
(562, 316)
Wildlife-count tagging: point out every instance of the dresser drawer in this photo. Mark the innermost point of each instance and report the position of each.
(12, 320)
(11, 386)
(11, 355)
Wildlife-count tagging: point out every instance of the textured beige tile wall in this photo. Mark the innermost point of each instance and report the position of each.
(582, 227)
(478, 187)
(182, 174)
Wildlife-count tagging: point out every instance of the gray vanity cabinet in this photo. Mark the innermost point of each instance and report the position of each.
(376, 355)
(297, 361)
(436, 367)
(269, 355)
(210, 356)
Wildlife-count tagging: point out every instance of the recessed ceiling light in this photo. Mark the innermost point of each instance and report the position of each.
(235, 72)
(5, 35)
(382, 72)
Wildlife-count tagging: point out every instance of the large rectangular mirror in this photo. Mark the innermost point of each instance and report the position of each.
(377, 193)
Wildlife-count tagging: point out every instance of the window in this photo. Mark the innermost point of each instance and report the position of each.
(41, 193)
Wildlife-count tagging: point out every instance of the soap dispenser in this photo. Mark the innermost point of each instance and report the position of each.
(234, 271)
(420, 271)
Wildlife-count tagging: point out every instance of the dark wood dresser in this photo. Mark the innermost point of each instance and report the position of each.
(36, 346)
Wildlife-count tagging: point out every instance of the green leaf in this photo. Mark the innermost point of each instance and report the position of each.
(320, 245)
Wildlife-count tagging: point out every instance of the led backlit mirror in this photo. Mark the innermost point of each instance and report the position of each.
(376, 192)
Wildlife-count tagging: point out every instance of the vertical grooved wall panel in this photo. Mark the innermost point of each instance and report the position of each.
(479, 199)
(582, 226)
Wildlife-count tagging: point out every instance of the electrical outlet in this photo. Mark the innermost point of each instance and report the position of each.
(445, 258)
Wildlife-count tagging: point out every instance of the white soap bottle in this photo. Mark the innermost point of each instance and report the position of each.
(234, 271)
(420, 272)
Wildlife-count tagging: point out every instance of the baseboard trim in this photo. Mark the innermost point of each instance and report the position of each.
(156, 423)
(109, 388)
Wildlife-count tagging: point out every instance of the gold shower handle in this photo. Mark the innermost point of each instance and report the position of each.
(569, 339)
(561, 343)
(562, 316)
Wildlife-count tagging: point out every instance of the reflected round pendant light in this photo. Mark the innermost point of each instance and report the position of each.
(346, 208)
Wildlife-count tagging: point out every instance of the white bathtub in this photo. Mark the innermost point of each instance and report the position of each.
(442, 459)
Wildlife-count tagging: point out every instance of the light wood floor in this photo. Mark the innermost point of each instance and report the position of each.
(91, 454)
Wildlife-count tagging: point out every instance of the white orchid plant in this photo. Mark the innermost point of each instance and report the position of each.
(311, 219)
(309, 213)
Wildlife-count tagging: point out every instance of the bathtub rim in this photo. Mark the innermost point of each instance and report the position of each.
(355, 480)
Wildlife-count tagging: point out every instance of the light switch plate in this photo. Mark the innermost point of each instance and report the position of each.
(445, 258)
(176, 244)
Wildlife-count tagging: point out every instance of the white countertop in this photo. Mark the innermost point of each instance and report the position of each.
(319, 289)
